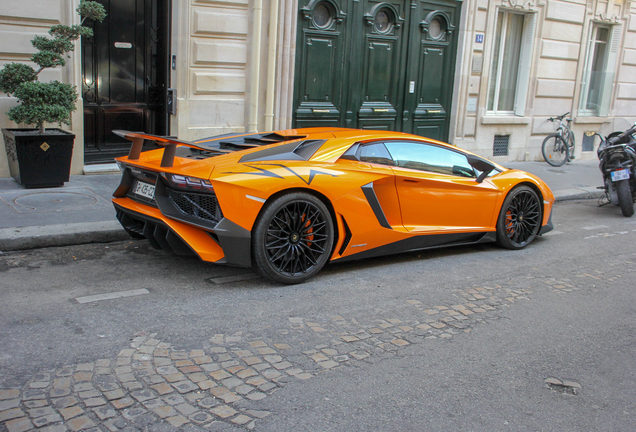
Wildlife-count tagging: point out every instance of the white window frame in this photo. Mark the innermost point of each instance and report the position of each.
(525, 62)
(609, 69)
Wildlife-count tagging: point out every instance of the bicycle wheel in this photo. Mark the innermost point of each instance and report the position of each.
(555, 151)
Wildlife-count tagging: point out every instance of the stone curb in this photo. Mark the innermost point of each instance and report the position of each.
(578, 193)
(32, 237)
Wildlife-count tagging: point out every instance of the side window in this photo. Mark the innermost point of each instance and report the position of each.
(375, 153)
(432, 158)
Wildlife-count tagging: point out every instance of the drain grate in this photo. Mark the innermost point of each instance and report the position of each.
(500, 145)
(588, 142)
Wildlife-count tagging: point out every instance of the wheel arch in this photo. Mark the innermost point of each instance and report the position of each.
(534, 187)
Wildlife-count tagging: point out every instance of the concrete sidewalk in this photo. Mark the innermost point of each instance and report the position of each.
(81, 212)
(576, 180)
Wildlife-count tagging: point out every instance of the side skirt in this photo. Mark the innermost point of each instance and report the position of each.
(422, 242)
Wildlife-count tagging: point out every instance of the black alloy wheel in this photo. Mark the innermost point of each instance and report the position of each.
(520, 218)
(293, 238)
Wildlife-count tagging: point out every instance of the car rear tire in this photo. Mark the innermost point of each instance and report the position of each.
(292, 238)
(625, 198)
(520, 218)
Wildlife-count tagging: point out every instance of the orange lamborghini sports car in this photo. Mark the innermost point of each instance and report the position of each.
(289, 201)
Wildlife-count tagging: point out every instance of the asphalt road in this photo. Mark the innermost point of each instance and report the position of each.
(454, 339)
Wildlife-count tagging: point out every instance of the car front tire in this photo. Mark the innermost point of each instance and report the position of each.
(519, 219)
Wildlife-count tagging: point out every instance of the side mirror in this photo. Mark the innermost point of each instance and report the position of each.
(486, 167)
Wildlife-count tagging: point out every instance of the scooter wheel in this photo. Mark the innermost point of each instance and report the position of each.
(625, 199)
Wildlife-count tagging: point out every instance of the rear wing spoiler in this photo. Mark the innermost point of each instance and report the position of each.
(170, 145)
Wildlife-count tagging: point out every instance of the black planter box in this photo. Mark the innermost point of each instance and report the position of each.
(39, 161)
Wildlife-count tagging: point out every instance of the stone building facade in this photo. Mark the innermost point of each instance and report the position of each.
(574, 56)
(236, 65)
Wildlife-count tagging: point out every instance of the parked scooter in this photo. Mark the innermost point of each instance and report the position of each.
(617, 153)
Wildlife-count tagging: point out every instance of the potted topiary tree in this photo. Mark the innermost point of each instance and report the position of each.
(40, 157)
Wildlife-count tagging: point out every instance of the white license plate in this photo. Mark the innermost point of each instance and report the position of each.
(620, 175)
(145, 190)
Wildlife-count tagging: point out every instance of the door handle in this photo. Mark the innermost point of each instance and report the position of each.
(411, 181)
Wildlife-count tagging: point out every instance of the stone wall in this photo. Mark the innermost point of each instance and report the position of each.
(556, 73)
(20, 21)
(210, 41)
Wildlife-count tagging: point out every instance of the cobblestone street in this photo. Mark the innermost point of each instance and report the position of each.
(227, 381)
(152, 381)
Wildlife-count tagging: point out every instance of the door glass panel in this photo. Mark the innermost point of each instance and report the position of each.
(430, 158)
(435, 28)
(382, 22)
(321, 15)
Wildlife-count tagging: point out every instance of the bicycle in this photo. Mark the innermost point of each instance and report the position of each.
(558, 148)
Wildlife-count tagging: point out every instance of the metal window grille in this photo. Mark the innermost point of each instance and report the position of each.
(588, 142)
(500, 145)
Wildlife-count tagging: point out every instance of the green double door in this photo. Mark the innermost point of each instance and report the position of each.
(374, 64)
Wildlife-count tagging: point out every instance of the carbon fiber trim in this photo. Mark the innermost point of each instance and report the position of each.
(372, 198)
(156, 232)
(424, 242)
(547, 227)
(347, 239)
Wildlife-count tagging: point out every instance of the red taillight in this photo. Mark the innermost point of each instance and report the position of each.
(191, 183)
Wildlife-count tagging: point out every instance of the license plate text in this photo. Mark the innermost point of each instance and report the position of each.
(145, 190)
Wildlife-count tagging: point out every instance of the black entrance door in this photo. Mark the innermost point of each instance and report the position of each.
(376, 64)
(125, 76)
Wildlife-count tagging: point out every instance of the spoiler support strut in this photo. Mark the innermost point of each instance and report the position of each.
(170, 145)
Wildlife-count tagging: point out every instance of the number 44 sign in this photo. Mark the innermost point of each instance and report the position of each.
(479, 38)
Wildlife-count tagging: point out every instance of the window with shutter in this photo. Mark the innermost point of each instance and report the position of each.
(599, 73)
(510, 66)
